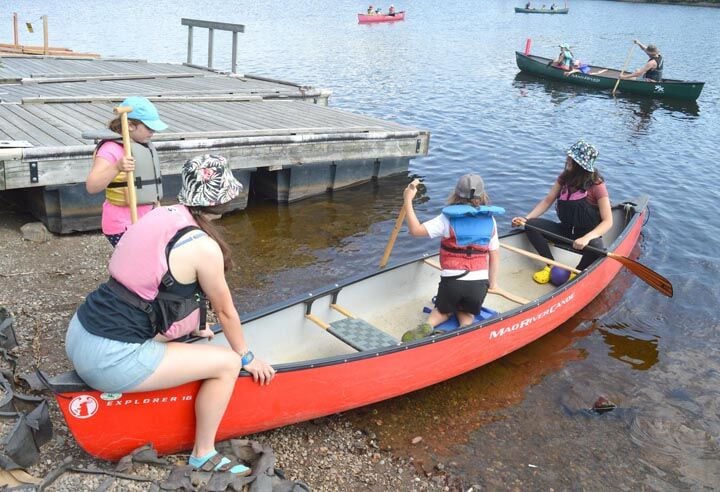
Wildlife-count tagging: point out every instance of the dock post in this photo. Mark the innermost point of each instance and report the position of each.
(190, 45)
(45, 34)
(233, 65)
(16, 35)
(211, 34)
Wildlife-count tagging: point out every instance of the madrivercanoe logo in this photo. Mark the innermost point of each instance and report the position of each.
(83, 406)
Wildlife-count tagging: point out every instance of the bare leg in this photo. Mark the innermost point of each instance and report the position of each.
(465, 319)
(436, 317)
(217, 367)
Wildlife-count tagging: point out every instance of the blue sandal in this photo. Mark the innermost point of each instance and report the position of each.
(214, 461)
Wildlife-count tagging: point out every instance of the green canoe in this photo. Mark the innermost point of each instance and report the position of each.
(521, 10)
(665, 89)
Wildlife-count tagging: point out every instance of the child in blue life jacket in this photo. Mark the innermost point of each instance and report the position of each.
(583, 206)
(469, 254)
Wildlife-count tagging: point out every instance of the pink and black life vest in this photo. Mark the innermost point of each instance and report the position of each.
(140, 265)
(574, 210)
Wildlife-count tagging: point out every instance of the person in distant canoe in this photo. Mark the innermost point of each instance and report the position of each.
(583, 206)
(163, 268)
(391, 10)
(469, 254)
(527, 6)
(653, 69)
(110, 165)
(378, 11)
(564, 59)
(552, 7)
(371, 10)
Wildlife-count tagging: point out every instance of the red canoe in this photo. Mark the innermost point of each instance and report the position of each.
(338, 348)
(366, 18)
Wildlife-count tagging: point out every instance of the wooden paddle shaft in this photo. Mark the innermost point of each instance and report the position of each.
(396, 229)
(539, 258)
(131, 194)
(627, 60)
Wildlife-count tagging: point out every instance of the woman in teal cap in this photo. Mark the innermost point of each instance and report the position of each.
(110, 165)
(582, 204)
(565, 58)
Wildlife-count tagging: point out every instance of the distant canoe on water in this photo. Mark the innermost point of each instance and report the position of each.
(340, 346)
(368, 19)
(665, 89)
(522, 10)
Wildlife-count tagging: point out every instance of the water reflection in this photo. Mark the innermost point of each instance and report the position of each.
(282, 250)
(641, 108)
(635, 348)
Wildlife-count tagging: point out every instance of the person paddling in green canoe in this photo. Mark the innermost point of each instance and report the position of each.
(653, 69)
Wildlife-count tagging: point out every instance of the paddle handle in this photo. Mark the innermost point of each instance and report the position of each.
(131, 194)
(396, 229)
(627, 60)
(539, 258)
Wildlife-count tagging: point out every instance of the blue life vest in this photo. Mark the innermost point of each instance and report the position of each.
(472, 225)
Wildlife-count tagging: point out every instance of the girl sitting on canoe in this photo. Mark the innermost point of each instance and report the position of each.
(565, 58)
(583, 207)
(110, 165)
(120, 338)
(468, 252)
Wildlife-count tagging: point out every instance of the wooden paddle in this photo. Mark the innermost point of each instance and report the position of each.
(537, 257)
(627, 60)
(131, 195)
(651, 277)
(396, 229)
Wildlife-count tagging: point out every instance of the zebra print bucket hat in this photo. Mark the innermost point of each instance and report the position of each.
(208, 181)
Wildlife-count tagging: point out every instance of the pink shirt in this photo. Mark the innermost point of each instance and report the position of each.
(595, 193)
(116, 218)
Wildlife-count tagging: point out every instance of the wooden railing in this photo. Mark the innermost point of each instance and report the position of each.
(211, 27)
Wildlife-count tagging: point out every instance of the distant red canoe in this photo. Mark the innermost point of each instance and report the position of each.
(366, 19)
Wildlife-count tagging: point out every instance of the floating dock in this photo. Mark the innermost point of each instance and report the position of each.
(280, 138)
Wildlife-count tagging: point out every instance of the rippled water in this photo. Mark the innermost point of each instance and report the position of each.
(521, 421)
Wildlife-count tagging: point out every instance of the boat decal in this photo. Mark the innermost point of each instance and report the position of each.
(83, 406)
(659, 89)
(531, 319)
(110, 396)
(148, 401)
(594, 80)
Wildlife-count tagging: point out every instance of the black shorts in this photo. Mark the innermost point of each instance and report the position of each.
(461, 295)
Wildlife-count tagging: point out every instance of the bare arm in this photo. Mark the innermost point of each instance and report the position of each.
(103, 172)
(211, 276)
(651, 64)
(414, 226)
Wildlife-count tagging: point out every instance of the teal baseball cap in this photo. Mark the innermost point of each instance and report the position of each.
(145, 111)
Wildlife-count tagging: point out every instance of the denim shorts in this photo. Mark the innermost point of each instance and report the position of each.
(109, 365)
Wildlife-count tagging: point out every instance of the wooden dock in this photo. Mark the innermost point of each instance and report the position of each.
(282, 140)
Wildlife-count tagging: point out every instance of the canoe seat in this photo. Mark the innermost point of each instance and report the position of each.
(361, 335)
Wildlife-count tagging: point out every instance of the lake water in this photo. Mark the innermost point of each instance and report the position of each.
(520, 421)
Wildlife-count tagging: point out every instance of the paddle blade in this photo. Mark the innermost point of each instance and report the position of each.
(651, 277)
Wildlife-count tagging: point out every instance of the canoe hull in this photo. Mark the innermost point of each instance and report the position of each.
(667, 89)
(109, 426)
(369, 19)
(520, 10)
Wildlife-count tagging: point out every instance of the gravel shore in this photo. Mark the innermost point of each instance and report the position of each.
(42, 285)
